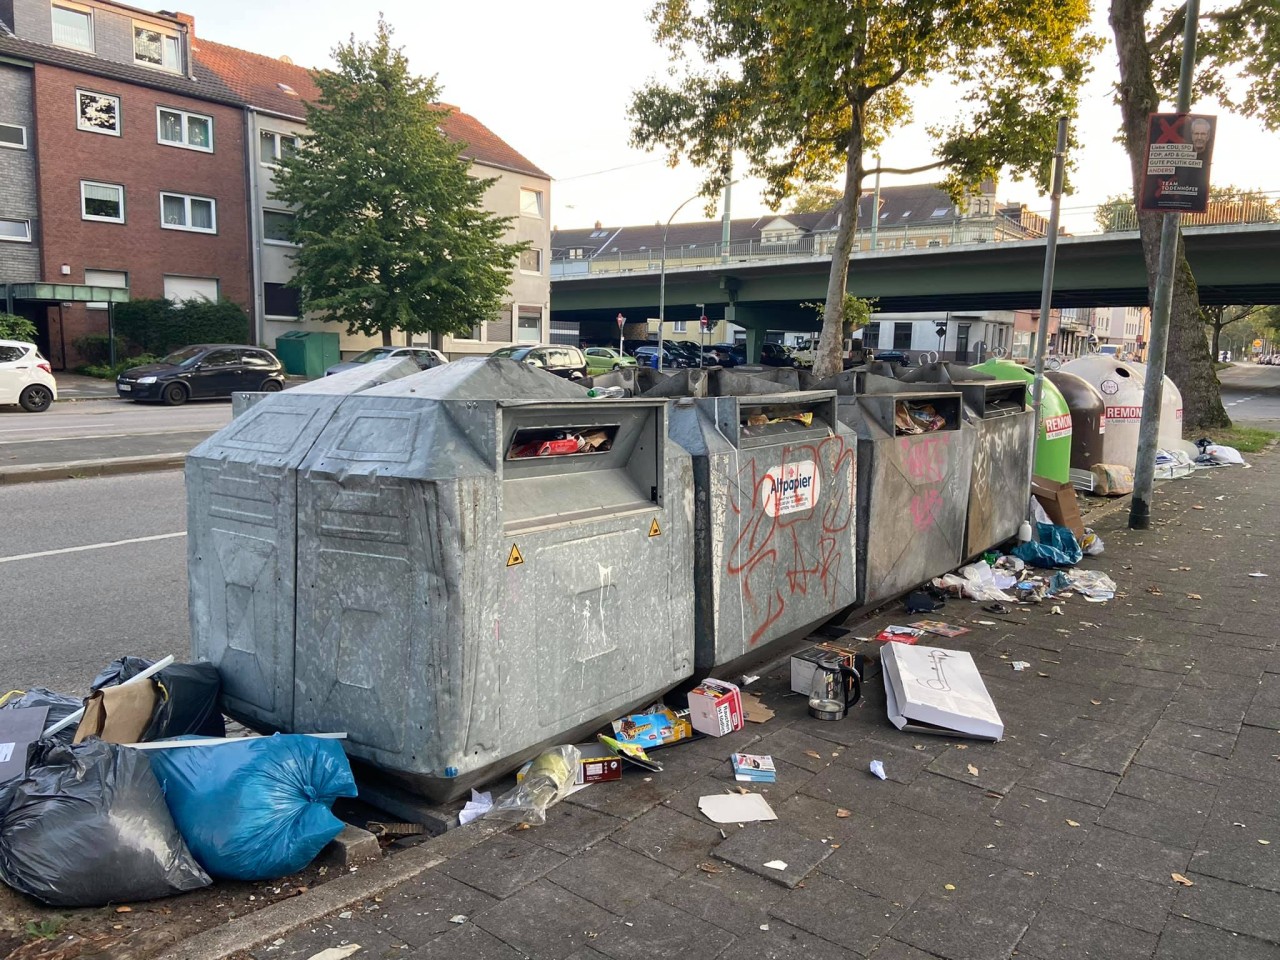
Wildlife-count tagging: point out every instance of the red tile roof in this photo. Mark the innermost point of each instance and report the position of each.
(275, 86)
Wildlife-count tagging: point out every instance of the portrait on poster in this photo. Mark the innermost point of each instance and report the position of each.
(1179, 150)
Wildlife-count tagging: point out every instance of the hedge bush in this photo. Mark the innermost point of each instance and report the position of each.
(160, 326)
(95, 348)
(16, 328)
(104, 370)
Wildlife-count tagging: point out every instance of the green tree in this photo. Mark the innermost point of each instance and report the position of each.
(804, 90)
(1238, 65)
(1218, 318)
(392, 228)
(815, 198)
(1229, 204)
(14, 327)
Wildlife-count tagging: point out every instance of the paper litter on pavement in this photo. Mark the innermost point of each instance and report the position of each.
(736, 808)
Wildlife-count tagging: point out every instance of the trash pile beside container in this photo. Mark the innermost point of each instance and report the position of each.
(145, 797)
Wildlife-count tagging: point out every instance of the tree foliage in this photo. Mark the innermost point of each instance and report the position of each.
(14, 327)
(1218, 318)
(1227, 204)
(1238, 66)
(159, 326)
(803, 90)
(815, 198)
(392, 228)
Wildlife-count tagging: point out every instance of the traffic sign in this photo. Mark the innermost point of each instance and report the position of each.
(621, 321)
(1257, 343)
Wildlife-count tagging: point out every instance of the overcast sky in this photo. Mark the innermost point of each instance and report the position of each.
(554, 80)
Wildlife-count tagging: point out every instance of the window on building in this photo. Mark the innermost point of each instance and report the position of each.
(871, 338)
(962, 340)
(529, 325)
(680, 326)
(531, 260)
(116, 279)
(908, 244)
(277, 226)
(155, 46)
(101, 201)
(15, 231)
(576, 253)
(935, 243)
(191, 288)
(98, 112)
(181, 212)
(274, 146)
(181, 129)
(73, 27)
(13, 136)
(499, 330)
(940, 212)
(902, 336)
(530, 202)
(280, 302)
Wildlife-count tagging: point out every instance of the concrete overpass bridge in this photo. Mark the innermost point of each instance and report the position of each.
(1235, 263)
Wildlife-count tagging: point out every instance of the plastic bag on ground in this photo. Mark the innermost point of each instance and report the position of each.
(1092, 544)
(188, 697)
(547, 782)
(60, 707)
(88, 826)
(1056, 547)
(1220, 453)
(1092, 583)
(256, 809)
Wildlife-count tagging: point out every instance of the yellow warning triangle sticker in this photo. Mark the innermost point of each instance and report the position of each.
(514, 559)
(654, 529)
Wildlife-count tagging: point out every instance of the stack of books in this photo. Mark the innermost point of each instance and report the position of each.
(753, 768)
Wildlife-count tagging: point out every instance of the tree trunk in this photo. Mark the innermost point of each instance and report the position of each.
(1188, 362)
(830, 356)
(1217, 340)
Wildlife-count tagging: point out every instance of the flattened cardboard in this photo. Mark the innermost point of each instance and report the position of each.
(736, 808)
(18, 730)
(932, 690)
(118, 714)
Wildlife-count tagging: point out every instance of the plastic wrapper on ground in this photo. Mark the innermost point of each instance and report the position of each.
(548, 780)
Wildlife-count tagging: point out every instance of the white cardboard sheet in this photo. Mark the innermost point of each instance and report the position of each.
(932, 690)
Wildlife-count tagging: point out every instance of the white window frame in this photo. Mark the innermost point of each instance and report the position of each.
(80, 125)
(15, 146)
(278, 316)
(74, 8)
(537, 196)
(217, 287)
(525, 270)
(186, 199)
(100, 183)
(186, 115)
(278, 135)
(542, 316)
(26, 239)
(164, 31)
(270, 240)
(679, 326)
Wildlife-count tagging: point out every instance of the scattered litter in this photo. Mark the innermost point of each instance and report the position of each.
(345, 915)
(658, 726)
(337, 953)
(986, 623)
(1194, 596)
(948, 886)
(736, 808)
(1056, 610)
(877, 768)
(1019, 665)
(776, 865)
(1072, 823)
(1096, 703)
(764, 926)
(940, 628)
(937, 691)
(896, 634)
(1179, 878)
(477, 806)
(842, 813)
(749, 678)
(975, 580)
(753, 767)
(1091, 584)
(548, 780)
(754, 710)
(709, 868)
(1259, 574)
(458, 918)
(130, 909)
(919, 601)
(973, 771)
(1265, 843)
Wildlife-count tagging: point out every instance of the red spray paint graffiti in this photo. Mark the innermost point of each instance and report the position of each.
(795, 525)
(926, 460)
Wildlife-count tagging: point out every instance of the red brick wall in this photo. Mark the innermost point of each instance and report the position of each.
(144, 167)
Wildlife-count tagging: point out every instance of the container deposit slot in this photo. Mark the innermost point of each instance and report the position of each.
(761, 422)
(568, 441)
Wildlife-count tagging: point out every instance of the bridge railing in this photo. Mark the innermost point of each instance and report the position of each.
(1119, 216)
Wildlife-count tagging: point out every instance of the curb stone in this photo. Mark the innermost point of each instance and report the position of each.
(72, 469)
(273, 922)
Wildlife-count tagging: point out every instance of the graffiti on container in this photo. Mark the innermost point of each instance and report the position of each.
(795, 526)
(926, 460)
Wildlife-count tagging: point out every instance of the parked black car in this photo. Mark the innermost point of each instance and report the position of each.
(775, 355)
(644, 356)
(687, 349)
(203, 371)
(563, 361)
(900, 357)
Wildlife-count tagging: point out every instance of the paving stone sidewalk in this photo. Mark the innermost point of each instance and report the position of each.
(1141, 743)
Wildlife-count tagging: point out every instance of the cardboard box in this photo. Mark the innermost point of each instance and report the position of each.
(715, 708)
(1059, 502)
(931, 690)
(802, 663)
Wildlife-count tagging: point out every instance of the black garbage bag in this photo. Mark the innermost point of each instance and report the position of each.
(88, 825)
(60, 707)
(188, 697)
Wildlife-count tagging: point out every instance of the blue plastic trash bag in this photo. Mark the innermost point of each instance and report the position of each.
(1057, 547)
(257, 809)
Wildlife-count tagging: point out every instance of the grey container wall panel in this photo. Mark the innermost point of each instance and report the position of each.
(766, 570)
(443, 662)
(913, 497)
(1000, 488)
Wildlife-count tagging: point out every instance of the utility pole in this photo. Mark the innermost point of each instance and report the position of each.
(1144, 471)
(875, 207)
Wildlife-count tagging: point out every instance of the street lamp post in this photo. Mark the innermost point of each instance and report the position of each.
(662, 275)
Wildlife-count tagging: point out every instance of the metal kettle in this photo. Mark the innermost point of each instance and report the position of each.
(835, 688)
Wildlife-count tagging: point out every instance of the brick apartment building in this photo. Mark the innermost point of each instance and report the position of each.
(136, 162)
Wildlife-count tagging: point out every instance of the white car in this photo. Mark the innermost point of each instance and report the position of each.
(25, 377)
(424, 357)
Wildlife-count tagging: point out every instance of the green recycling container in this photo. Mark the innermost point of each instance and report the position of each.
(308, 353)
(1053, 447)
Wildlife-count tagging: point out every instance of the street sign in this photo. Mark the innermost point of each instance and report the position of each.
(1179, 150)
(621, 321)
(1257, 343)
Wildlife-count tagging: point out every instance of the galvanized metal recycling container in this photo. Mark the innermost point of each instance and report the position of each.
(469, 590)
(913, 489)
(1053, 450)
(242, 521)
(1000, 484)
(1088, 417)
(775, 483)
(1170, 435)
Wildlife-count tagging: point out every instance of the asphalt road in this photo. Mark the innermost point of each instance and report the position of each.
(100, 429)
(80, 583)
(1251, 394)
